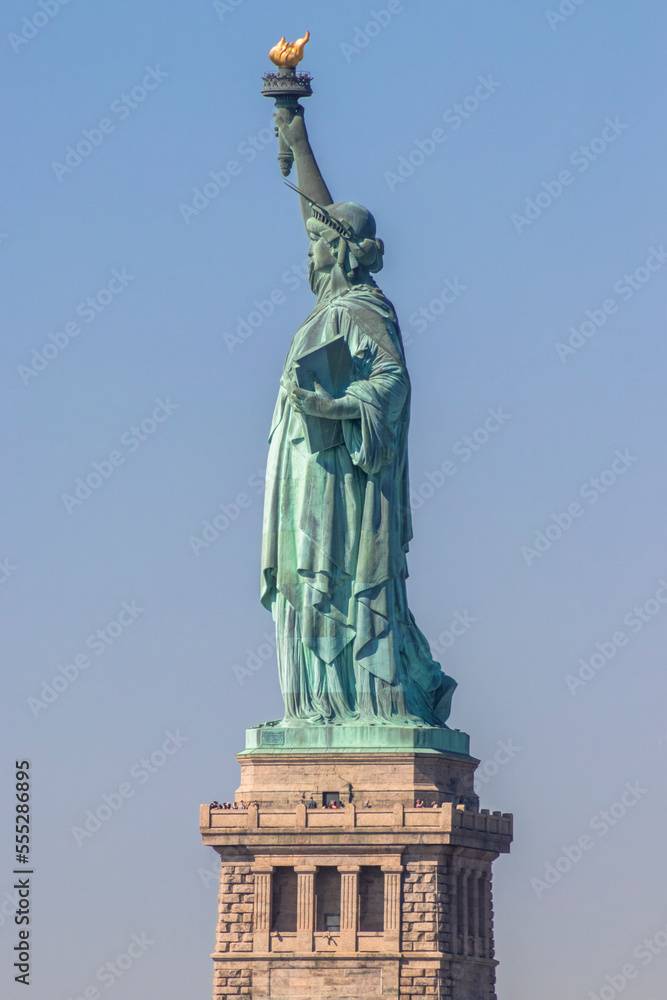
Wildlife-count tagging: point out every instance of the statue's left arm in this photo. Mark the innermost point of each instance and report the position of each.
(372, 406)
(381, 397)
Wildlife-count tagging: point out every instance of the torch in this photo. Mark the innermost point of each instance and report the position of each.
(286, 87)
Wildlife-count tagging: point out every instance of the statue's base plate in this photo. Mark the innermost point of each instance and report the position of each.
(364, 739)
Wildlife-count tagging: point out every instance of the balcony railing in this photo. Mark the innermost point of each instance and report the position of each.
(446, 817)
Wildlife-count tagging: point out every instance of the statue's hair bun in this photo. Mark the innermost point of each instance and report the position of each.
(369, 254)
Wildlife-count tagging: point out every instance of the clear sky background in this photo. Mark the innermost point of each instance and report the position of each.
(532, 258)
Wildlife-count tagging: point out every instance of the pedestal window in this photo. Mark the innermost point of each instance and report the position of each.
(371, 899)
(284, 902)
(327, 900)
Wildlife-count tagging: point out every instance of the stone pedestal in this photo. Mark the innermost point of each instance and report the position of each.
(379, 900)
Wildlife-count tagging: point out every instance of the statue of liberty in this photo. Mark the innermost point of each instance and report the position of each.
(337, 521)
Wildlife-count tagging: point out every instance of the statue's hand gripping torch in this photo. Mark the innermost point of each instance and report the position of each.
(286, 87)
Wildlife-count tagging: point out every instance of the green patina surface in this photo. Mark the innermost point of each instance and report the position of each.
(356, 738)
(355, 670)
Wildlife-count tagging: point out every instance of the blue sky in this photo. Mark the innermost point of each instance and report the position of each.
(513, 156)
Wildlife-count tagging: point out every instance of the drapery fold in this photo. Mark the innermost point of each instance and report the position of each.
(336, 531)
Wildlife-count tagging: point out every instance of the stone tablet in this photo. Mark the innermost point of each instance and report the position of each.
(331, 366)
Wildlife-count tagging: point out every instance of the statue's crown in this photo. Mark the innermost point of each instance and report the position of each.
(320, 213)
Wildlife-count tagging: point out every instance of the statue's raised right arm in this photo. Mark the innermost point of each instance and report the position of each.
(309, 178)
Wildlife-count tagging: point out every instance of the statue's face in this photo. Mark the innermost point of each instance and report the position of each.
(323, 246)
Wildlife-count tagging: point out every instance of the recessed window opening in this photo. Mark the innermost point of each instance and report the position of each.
(283, 911)
(371, 899)
(327, 900)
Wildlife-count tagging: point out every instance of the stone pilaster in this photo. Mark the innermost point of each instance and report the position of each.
(349, 906)
(392, 907)
(234, 931)
(465, 881)
(305, 907)
(489, 924)
(420, 929)
(263, 905)
(235, 909)
(455, 903)
(231, 981)
(478, 926)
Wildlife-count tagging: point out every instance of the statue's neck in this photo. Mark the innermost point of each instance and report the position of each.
(327, 284)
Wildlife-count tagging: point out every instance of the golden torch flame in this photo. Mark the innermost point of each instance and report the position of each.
(288, 53)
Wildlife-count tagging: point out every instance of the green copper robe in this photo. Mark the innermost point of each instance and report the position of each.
(336, 531)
